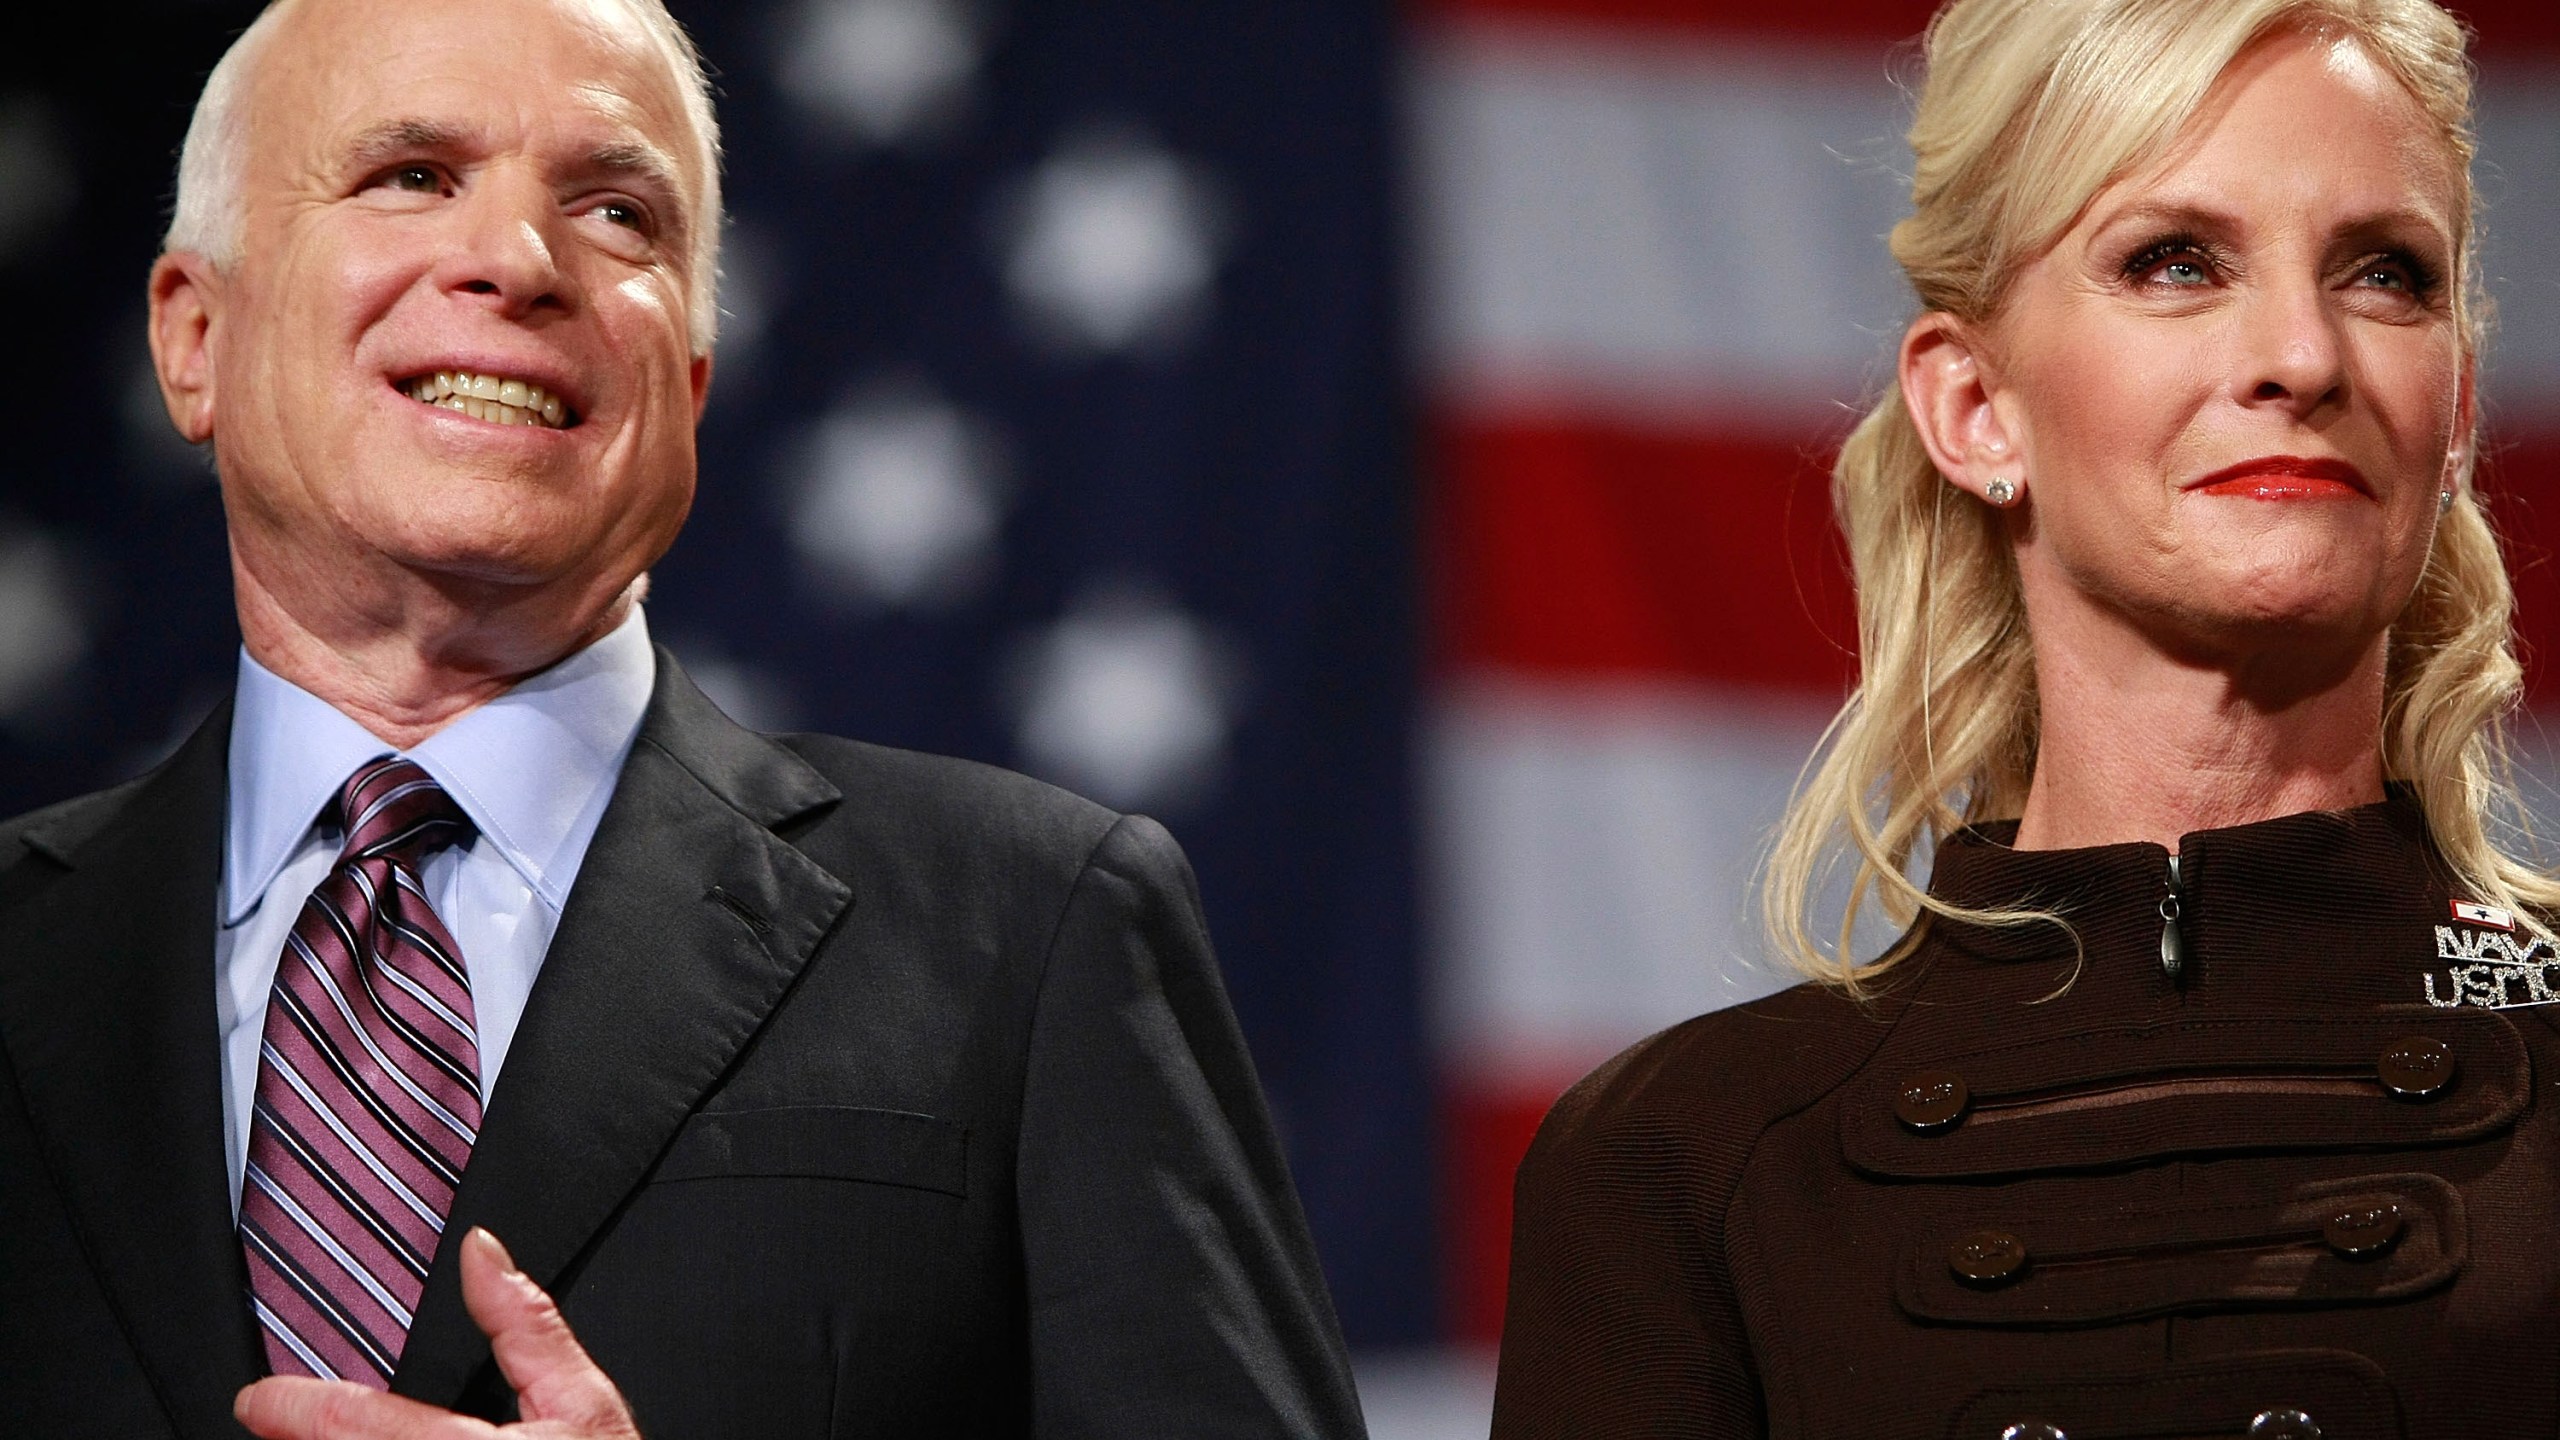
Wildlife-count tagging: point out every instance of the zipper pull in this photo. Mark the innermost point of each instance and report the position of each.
(2173, 944)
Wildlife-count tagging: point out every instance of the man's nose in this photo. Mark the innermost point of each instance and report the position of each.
(2293, 348)
(506, 253)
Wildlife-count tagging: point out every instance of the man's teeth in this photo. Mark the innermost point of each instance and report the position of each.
(489, 397)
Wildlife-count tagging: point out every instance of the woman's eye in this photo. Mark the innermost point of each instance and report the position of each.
(2391, 274)
(2173, 265)
(2176, 262)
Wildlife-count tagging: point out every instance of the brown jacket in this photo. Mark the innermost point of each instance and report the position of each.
(2311, 1187)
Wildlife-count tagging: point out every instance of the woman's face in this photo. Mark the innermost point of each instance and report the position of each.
(2234, 386)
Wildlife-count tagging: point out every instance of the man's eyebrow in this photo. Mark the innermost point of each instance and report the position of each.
(634, 158)
(392, 139)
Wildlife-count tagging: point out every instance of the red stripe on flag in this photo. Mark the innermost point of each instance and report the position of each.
(1577, 548)
(1484, 1134)
(2504, 26)
(1580, 549)
(2521, 481)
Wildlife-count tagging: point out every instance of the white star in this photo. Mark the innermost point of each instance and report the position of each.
(41, 636)
(1112, 244)
(898, 500)
(36, 181)
(751, 270)
(884, 71)
(1126, 700)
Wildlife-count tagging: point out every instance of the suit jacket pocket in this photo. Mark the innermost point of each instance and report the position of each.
(828, 1142)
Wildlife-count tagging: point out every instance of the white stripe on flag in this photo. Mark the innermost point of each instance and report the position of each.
(1636, 226)
(1597, 847)
(1625, 224)
(2519, 174)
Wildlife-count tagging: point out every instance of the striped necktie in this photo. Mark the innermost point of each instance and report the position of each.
(368, 1093)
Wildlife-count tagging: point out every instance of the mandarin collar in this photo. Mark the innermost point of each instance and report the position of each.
(2297, 890)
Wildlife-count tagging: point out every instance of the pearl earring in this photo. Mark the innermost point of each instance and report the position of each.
(2444, 501)
(2001, 492)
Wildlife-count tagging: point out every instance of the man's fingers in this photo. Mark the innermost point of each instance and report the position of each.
(299, 1408)
(553, 1378)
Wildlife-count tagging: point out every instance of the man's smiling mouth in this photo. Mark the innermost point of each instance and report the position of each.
(493, 398)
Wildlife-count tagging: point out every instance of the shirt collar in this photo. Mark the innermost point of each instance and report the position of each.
(533, 768)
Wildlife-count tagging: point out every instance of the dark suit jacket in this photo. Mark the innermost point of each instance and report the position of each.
(862, 1093)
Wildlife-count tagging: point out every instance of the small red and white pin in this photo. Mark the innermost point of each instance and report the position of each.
(2487, 917)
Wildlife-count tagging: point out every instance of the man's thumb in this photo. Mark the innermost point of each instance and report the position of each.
(552, 1376)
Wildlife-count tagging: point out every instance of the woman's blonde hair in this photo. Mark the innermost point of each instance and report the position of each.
(2028, 110)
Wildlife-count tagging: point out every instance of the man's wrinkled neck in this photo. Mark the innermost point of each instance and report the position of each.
(407, 664)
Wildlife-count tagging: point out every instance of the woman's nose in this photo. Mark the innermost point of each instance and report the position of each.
(2293, 352)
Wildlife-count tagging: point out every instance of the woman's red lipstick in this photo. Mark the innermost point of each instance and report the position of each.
(2286, 477)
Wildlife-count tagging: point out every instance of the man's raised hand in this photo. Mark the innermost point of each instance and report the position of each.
(559, 1391)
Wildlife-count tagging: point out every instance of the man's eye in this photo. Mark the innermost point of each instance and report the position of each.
(420, 178)
(625, 214)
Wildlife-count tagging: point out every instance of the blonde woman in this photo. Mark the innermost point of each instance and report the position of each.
(2198, 1097)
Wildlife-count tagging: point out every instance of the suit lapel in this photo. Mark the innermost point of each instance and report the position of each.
(107, 1014)
(688, 921)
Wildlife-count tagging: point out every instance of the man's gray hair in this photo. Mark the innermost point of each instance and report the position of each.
(211, 219)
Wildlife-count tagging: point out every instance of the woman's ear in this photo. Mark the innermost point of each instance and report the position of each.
(2466, 423)
(1949, 394)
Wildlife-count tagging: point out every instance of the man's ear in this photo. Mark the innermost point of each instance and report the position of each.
(1949, 394)
(701, 385)
(186, 299)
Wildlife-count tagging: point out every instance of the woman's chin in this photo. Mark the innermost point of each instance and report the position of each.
(2316, 634)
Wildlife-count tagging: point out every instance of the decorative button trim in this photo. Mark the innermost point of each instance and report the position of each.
(2418, 1068)
(1988, 1257)
(2283, 1425)
(1931, 1102)
(2362, 1232)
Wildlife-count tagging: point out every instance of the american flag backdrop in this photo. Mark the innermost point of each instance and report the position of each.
(1388, 444)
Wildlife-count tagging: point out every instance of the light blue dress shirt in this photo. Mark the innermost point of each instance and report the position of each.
(532, 768)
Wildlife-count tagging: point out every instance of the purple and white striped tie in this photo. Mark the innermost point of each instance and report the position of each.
(368, 1093)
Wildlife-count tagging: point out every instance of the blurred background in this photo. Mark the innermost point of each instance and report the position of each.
(1388, 444)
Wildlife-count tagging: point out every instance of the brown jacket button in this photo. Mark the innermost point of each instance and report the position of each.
(1931, 1101)
(2033, 1430)
(1988, 1257)
(2362, 1232)
(2417, 1068)
(2283, 1425)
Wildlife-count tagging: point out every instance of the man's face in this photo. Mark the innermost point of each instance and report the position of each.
(474, 195)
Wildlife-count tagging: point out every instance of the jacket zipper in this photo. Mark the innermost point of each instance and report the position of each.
(2173, 942)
